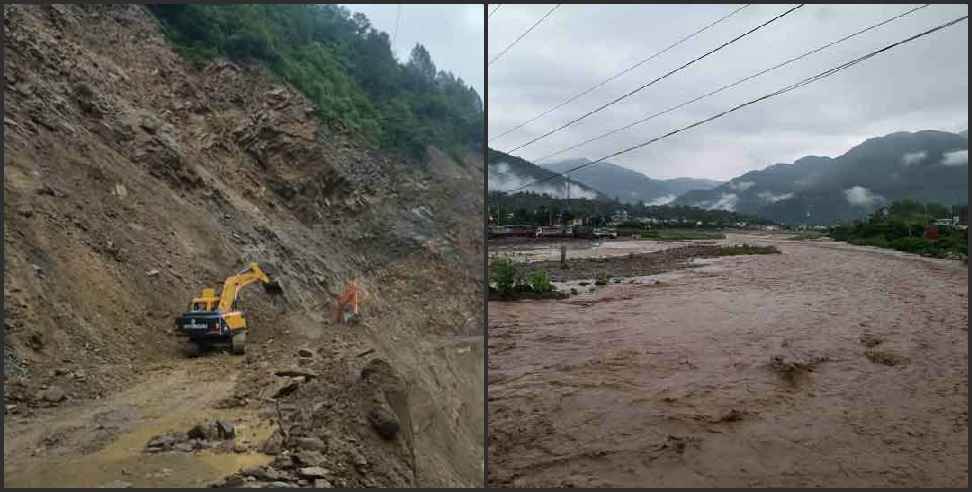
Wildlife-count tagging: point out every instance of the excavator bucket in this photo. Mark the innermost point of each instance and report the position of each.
(273, 288)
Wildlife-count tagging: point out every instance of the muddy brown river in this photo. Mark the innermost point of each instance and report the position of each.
(673, 383)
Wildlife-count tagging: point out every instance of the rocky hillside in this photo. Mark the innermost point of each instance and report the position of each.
(132, 179)
(925, 166)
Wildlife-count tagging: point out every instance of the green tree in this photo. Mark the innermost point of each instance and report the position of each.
(343, 65)
(420, 65)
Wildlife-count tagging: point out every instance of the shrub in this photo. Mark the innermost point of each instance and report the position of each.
(911, 244)
(503, 272)
(878, 241)
(540, 283)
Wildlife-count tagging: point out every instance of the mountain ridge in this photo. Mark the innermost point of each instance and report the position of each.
(927, 165)
(507, 173)
(629, 186)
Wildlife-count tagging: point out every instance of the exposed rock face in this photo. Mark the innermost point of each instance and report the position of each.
(132, 179)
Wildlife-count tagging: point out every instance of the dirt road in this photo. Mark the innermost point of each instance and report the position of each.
(675, 383)
(98, 442)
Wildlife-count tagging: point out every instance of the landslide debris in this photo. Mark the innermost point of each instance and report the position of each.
(132, 179)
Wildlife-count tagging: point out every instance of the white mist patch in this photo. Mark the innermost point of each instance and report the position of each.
(771, 197)
(860, 196)
(500, 177)
(806, 182)
(741, 185)
(726, 202)
(957, 158)
(578, 192)
(662, 200)
(912, 158)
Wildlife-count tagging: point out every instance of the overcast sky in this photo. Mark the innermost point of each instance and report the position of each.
(453, 34)
(921, 85)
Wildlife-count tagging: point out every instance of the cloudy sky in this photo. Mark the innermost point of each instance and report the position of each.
(453, 34)
(921, 85)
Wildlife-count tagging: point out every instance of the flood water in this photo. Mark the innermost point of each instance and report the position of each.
(669, 380)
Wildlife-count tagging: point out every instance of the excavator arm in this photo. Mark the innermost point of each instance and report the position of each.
(235, 283)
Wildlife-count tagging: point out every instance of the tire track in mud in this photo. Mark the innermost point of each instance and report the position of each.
(676, 386)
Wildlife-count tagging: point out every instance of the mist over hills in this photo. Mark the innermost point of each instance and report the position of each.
(629, 186)
(507, 173)
(926, 165)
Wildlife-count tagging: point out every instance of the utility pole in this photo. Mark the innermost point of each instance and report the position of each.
(568, 193)
(563, 245)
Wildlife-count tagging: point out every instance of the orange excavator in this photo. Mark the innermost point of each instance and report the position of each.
(346, 308)
(217, 318)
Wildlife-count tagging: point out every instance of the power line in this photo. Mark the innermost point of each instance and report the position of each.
(398, 14)
(617, 75)
(797, 85)
(494, 11)
(729, 86)
(639, 89)
(517, 40)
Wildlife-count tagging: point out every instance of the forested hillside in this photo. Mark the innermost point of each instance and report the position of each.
(542, 209)
(627, 185)
(507, 173)
(927, 166)
(342, 64)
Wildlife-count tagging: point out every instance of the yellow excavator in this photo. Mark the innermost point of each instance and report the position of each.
(216, 318)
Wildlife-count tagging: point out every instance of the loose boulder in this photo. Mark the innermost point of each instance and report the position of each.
(384, 422)
(52, 395)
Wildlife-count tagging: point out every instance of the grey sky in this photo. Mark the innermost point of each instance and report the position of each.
(921, 85)
(453, 34)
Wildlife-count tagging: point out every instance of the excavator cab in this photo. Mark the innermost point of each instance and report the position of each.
(206, 302)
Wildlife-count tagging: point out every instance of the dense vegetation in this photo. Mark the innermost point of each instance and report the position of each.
(528, 208)
(901, 226)
(814, 190)
(342, 64)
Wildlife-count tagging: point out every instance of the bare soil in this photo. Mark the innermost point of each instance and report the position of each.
(827, 365)
(133, 179)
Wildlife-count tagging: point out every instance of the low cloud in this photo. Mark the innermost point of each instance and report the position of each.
(860, 196)
(726, 202)
(769, 196)
(957, 158)
(741, 185)
(912, 158)
(662, 200)
(502, 178)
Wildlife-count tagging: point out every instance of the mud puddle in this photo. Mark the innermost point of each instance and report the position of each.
(103, 442)
(127, 465)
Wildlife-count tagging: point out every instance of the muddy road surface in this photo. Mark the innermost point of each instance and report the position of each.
(826, 365)
(102, 442)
